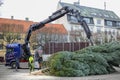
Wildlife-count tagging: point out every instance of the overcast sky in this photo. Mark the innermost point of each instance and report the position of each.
(38, 10)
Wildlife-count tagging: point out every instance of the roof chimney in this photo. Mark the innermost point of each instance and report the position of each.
(12, 17)
(27, 19)
(77, 3)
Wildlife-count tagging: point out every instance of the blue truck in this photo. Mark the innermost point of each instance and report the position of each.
(14, 55)
(16, 52)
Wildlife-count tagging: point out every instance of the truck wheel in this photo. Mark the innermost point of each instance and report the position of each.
(13, 65)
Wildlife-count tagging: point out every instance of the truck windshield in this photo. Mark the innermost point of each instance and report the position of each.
(9, 50)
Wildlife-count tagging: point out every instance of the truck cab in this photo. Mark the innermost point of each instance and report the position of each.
(13, 52)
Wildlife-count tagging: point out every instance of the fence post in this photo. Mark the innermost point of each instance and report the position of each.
(49, 47)
(69, 46)
(73, 46)
(63, 46)
(79, 45)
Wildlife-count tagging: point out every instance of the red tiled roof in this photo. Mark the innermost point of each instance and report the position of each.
(23, 23)
(52, 28)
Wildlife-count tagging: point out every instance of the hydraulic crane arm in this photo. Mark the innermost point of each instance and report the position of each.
(51, 18)
(82, 22)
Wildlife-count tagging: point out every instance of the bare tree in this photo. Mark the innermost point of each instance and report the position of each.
(48, 34)
(40, 37)
(10, 32)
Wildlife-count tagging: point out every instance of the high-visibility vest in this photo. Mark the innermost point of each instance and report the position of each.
(31, 59)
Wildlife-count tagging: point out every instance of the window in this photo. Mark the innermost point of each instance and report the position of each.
(112, 16)
(106, 15)
(98, 30)
(72, 18)
(117, 23)
(88, 20)
(114, 23)
(108, 23)
(98, 21)
(100, 14)
(9, 50)
(94, 13)
(91, 29)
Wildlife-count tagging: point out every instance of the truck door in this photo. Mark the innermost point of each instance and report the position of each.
(9, 56)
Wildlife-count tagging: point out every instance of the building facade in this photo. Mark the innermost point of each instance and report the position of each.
(104, 24)
(13, 30)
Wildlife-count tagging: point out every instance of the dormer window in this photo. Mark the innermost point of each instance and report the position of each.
(100, 14)
(93, 13)
(88, 20)
(106, 15)
(72, 19)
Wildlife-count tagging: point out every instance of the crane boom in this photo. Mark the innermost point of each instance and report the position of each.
(56, 15)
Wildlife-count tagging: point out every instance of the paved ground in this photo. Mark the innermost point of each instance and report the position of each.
(23, 74)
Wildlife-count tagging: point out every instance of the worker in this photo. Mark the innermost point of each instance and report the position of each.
(16, 61)
(16, 64)
(40, 59)
(36, 57)
(31, 63)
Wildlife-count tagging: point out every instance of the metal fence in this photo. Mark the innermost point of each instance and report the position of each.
(50, 48)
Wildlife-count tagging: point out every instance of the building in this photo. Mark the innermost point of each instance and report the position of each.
(13, 30)
(104, 24)
(50, 33)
